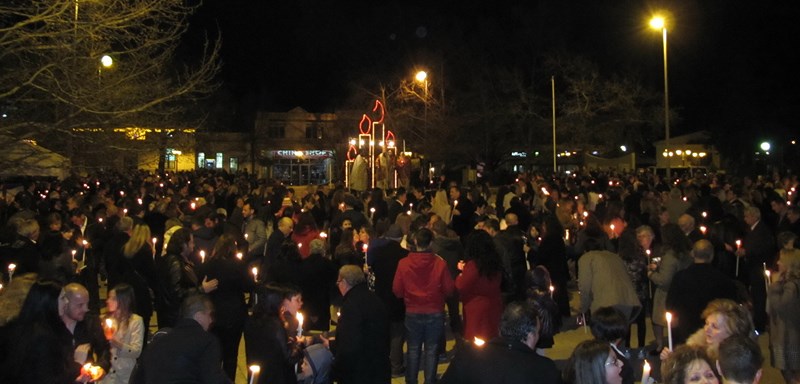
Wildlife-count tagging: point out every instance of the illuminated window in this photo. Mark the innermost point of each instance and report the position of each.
(234, 164)
(201, 159)
(218, 161)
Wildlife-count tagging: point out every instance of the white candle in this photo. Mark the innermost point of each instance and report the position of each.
(255, 273)
(552, 289)
(646, 373)
(73, 255)
(669, 330)
(202, 256)
(155, 240)
(11, 268)
(254, 371)
(371, 213)
(299, 317)
(738, 245)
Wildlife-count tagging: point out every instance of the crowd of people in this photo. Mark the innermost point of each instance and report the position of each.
(212, 258)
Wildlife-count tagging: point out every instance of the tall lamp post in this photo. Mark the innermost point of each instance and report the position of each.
(658, 22)
(422, 78)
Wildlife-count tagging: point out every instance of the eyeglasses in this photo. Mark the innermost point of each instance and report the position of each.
(614, 361)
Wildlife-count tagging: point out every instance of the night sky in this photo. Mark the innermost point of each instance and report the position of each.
(732, 64)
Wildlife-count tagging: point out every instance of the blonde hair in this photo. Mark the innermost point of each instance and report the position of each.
(139, 237)
(737, 317)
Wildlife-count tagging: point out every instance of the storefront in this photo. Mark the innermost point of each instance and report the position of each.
(310, 167)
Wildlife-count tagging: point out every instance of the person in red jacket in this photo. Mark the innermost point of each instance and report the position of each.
(423, 282)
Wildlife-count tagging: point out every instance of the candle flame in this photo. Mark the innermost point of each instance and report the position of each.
(109, 323)
(646, 366)
(552, 288)
(669, 317)
(255, 271)
(255, 368)
(323, 235)
(647, 251)
(299, 317)
(479, 342)
(155, 240)
(239, 255)
(372, 210)
(738, 243)
(704, 214)
(12, 267)
(703, 229)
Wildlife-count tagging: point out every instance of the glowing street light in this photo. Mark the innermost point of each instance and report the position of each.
(106, 61)
(659, 23)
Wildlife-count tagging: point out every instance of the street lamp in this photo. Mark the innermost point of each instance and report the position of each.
(422, 77)
(658, 22)
(106, 61)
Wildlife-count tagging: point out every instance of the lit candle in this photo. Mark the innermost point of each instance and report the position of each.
(255, 273)
(245, 236)
(479, 342)
(99, 219)
(299, 317)
(552, 289)
(254, 371)
(371, 213)
(139, 200)
(566, 235)
(84, 243)
(11, 268)
(738, 246)
(703, 229)
(669, 330)
(155, 240)
(124, 211)
(202, 256)
(646, 373)
(73, 255)
(239, 255)
(323, 235)
(585, 213)
(704, 214)
(108, 328)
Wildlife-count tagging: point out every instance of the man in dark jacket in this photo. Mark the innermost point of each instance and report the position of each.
(361, 348)
(387, 254)
(188, 353)
(757, 249)
(510, 358)
(88, 339)
(509, 244)
(693, 288)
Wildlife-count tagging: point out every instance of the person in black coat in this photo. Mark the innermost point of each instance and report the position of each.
(693, 288)
(267, 342)
(510, 358)
(187, 353)
(552, 254)
(231, 308)
(388, 254)
(758, 249)
(361, 348)
(316, 274)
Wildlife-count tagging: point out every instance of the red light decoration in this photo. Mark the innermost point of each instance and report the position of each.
(389, 135)
(365, 118)
(378, 104)
(352, 152)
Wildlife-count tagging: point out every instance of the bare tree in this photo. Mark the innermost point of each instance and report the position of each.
(52, 78)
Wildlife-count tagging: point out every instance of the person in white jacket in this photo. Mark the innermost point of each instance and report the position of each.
(125, 332)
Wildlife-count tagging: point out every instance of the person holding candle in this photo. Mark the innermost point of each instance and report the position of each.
(138, 269)
(479, 287)
(229, 303)
(723, 318)
(758, 247)
(783, 307)
(267, 341)
(125, 332)
(85, 331)
(593, 362)
(254, 232)
(539, 290)
(674, 257)
(689, 365)
(552, 254)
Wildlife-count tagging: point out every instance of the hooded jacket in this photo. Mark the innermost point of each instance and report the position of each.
(423, 282)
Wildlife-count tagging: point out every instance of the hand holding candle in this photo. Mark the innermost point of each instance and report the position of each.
(669, 330)
(109, 328)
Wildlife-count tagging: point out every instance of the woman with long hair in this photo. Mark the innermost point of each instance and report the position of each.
(229, 303)
(479, 287)
(304, 231)
(537, 290)
(593, 362)
(552, 254)
(674, 256)
(346, 252)
(137, 269)
(783, 307)
(125, 333)
(267, 341)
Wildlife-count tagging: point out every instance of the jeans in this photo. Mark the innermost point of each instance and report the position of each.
(423, 329)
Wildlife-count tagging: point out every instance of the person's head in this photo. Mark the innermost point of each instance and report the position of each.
(752, 215)
(365, 233)
(285, 225)
(349, 277)
(645, 236)
(688, 365)
(54, 221)
(592, 362)
(609, 324)
(293, 300)
(139, 237)
(43, 303)
(703, 251)
(778, 205)
(76, 303)
(455, 193)
(511, 219)
(538, 278)
(787, 239)
(28, 228)
(725, 318)
(673, 239)
(740, 360)
(347, 224)
(520, 322)
(199, 308)
(225, 247)
(480, 247)
(348, 238)
(125, 224)
(180, 242)
(686, 222)
(121, 301)
(316, 247)
(271, 299)
(789, 264)
(491, 226)
(422, 239)
(248, 210)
